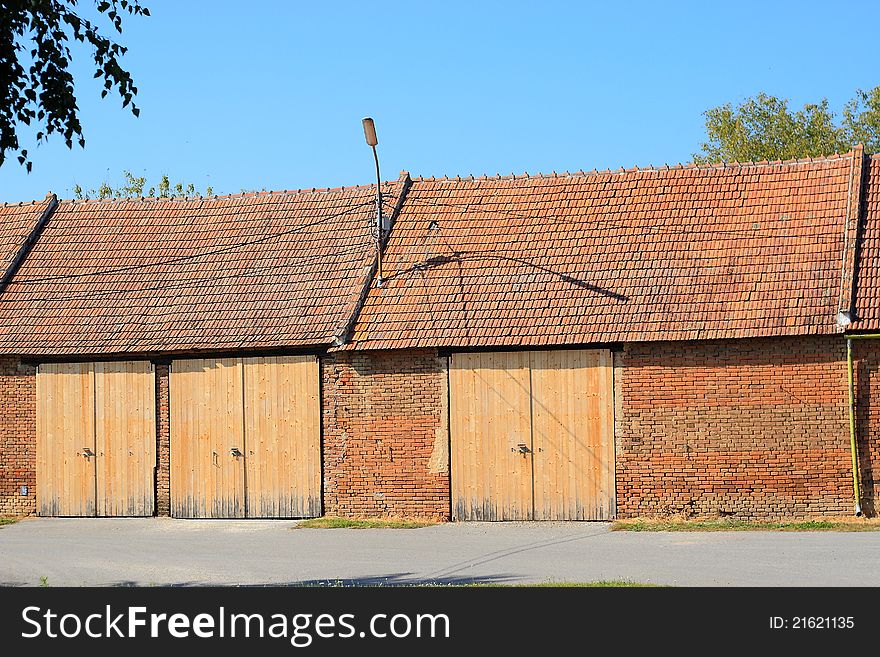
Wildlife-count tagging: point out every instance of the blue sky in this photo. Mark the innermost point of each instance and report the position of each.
(270, 94)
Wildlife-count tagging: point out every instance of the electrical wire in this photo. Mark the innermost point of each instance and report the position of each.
(210, 281)
(170, 261)
(198, 283)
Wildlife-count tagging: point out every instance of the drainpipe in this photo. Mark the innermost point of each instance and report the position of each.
(852, 427)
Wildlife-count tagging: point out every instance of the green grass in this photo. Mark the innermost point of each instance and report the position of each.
(6, 520)
(730, 525)
(329, 522)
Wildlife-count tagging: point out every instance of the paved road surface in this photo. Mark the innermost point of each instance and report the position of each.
(163, 551)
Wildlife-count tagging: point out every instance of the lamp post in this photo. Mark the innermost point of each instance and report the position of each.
(372, 141)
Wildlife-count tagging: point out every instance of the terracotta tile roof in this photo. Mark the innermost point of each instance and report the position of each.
(16, 223)
(661, 254)
(241, 272)
(867, 307)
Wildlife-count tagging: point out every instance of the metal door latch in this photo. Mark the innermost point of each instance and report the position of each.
(523, 448)
(88, 453)
(235, 452)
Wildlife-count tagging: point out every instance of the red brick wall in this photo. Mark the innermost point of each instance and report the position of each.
(163, 443)
(18, 430)
(867, 376)
(385, 443)
(755, 428)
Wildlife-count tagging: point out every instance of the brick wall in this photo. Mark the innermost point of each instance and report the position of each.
(867, 376)
(18, 430)
(755, 428)
(385, 443)
(163, 443)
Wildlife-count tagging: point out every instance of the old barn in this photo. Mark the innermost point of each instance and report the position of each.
(567, 347)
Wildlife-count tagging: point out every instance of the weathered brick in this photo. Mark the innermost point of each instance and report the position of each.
(385, 438)
(163, 443)
(747, 428)
(18, 429)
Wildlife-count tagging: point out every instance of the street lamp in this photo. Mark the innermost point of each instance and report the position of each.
(372, 141)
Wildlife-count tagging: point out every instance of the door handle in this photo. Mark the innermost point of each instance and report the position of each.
(235, 452)
(523, 448)
(87, 453)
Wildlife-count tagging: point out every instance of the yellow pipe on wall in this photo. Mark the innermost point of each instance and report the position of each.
(852, 413)
(852, 426)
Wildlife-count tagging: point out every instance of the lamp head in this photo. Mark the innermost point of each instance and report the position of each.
(370, 131)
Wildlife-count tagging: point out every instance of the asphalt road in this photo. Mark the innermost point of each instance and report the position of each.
(163, 551)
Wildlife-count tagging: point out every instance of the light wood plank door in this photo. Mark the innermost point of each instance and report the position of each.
(65, 440)
(490, 436)
(207, 438)
(573, 434)
(282, 410)
(532, 435)
(125, 438)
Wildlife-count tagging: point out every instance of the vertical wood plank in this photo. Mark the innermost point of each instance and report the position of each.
(573, 434)
(489, 419)
(65, 428)
(125, 438)
(282, 433)
(207, 481)
(608, 448)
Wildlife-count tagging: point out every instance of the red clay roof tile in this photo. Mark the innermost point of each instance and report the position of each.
(16, 223)
(655, 254)
(243, 272)
(867, 306)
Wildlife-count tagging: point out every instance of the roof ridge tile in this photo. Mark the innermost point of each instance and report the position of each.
(709, 166)
(220, 197)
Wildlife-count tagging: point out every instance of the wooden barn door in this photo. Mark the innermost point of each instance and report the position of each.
(282, 410)
(490, 436)
(207, 439)
(246, 438)
(532, 435)
(125, 438)
(65, 440)
(96, 439)
(573, 433)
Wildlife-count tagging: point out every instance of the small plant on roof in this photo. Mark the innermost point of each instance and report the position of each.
(133, 187)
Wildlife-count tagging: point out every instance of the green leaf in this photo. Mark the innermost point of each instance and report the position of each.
(764, 128)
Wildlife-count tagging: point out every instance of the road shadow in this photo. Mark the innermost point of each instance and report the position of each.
(391, 580)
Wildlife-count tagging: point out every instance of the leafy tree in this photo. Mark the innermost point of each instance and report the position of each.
(36, 85)
(133, 187)
(861, 119)
(764, 128)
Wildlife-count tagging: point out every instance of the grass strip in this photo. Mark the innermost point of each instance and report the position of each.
(331, 522)
(731, 525)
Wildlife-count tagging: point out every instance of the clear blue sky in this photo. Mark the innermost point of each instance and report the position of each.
(270, 94)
